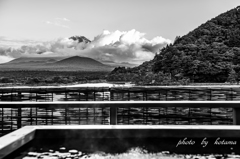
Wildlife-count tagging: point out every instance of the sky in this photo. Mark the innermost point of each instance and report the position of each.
(144, 24)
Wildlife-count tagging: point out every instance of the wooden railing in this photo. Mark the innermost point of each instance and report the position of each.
(148, 93)
(14, 115)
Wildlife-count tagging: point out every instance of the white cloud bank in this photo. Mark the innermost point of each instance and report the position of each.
(4, 59)
(118, 46)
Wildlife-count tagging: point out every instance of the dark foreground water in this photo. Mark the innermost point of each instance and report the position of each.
(133, 153)
(129, 148)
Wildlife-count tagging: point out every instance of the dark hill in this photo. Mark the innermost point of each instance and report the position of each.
(33, 60)
(209, 53)
(74, 63)
(77, 61)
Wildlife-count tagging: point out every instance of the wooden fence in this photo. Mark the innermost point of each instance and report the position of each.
(48, 94)
(14, 115)
(20, 106)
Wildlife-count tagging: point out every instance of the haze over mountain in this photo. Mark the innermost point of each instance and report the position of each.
(79, 61)
(209, 53)
(74, 63)
(34, 60)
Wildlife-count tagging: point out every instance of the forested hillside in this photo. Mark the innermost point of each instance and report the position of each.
(210, 53)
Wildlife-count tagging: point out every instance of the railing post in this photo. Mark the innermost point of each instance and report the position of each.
(86, 95)
(66, 96)
(236, 116)
(19, 119)
(66, 116)
(19, 96)
(52, 96)
(113, 115)
(111, 95)
(2, 120)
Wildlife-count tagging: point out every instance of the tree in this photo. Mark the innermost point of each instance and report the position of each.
(33, 81)
(232, 76)
(6, 80)
(177, 39)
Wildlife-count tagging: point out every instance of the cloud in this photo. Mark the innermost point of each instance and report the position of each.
(57, 24)
(16, 42)
(118, 46)
(125, 46)
(63, 19)
(4, 59)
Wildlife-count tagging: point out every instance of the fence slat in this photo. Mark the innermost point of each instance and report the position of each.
(113, 115)
(19, 117)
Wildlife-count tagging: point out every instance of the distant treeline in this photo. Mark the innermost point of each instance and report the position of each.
(141, 77)
(49, 77)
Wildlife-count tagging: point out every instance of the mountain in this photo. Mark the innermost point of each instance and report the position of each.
(81, 63)
(80, 39)
(122, 64)
(209, 53)
(77, 61)
(34, 60)
(74, 63)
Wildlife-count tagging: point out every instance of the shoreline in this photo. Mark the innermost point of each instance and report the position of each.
(106, 84)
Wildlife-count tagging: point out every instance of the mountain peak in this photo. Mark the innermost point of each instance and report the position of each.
(80, 39)
(77, 60)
